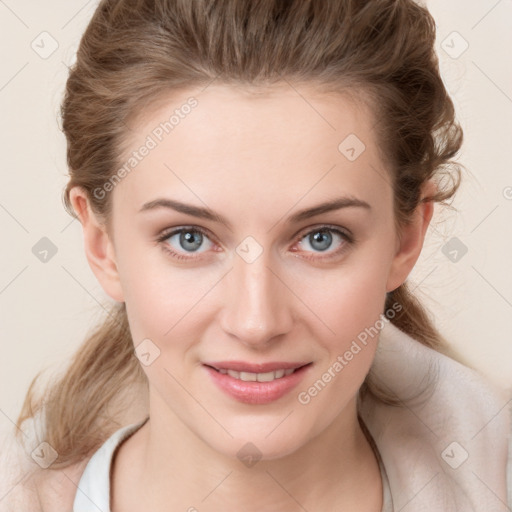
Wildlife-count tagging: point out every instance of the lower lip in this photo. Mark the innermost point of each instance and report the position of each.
(257, 392)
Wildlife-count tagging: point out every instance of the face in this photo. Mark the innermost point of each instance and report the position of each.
(247, 269)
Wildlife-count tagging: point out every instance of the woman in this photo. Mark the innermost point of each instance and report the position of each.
(254, 181)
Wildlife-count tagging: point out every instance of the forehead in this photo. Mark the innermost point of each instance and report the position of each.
(278, 143)
(258, 112)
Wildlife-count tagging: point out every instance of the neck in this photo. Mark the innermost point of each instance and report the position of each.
(179, 471)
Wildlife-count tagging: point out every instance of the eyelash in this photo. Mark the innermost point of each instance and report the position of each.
(348, 239)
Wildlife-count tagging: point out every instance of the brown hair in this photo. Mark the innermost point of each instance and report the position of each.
(136, 51)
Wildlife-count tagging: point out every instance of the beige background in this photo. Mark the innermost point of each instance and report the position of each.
(46, 308)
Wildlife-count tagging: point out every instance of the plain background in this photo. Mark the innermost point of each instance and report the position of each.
(46, 308)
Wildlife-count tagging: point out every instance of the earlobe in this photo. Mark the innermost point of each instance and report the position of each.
(411, 240)
(98, 246)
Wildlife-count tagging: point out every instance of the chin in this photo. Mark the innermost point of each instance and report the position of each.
(259, 442)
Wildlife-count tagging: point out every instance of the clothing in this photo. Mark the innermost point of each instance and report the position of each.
(447, 450)
(94, 485)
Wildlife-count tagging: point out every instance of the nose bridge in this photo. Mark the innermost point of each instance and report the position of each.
(256, 307)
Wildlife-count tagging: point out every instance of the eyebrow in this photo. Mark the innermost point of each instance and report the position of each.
(206, 213)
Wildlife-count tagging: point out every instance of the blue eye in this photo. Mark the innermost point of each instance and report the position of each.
(190, 239)
(321, 239)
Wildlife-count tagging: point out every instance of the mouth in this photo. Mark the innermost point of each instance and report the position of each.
(248, 376)
(256, 384)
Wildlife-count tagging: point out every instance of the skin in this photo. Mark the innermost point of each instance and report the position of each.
(255, 159)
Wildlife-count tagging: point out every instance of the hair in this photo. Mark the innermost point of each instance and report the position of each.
(135, 52)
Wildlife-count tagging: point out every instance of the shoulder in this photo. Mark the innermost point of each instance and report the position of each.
(25, 486)
(58, 486)
(44, 491)
(16, 489)
(462, 415)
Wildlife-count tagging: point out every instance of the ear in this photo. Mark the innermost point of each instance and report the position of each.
(99, 248)
(410, 242)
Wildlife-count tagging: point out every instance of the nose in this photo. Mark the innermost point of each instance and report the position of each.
(257, 308)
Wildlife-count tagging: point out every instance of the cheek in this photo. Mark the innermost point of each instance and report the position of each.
(351, 306)
(164, 302)
(346, 300)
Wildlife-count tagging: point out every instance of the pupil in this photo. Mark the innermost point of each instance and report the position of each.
(188, 238)
(324, 237)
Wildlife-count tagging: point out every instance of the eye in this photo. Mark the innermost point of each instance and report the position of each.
(187, 239)
(323, 238)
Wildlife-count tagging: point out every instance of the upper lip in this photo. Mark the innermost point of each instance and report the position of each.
(241, 366)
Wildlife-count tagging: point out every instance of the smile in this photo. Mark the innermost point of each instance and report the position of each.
(257, 377)
(257, 387)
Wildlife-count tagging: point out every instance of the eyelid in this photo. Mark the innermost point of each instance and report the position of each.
(168, 232)
(327, 227)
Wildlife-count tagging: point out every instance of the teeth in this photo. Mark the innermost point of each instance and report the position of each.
(259, 377)
(248, 377)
